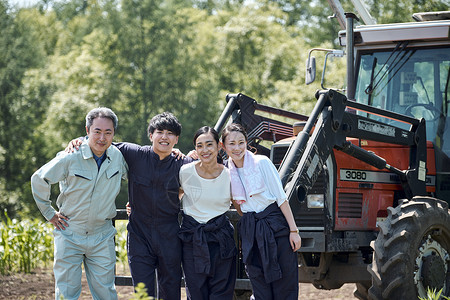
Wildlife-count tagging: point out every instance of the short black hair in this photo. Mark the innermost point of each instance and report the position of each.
(164, 121)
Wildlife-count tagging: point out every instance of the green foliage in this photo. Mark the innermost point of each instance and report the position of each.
(62, 58)
(25, 44)
(28, 244)
(387, 11)
(432, 294)
(121, 244)
(160, 60)
(141, 292)
(24, 245)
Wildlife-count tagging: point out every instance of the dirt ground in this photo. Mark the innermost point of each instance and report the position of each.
(40, 286)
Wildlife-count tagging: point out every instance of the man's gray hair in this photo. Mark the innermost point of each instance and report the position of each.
(101, 112)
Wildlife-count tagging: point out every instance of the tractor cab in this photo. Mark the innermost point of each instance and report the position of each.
(410, 76)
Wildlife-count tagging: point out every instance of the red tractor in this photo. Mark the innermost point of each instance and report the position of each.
(368, 173)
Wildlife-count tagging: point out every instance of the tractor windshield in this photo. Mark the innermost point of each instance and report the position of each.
(410, 81)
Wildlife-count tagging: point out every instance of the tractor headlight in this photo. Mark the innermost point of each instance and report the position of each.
(315, 200)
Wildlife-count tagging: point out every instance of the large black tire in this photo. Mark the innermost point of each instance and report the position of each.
(412, 251)
(361, 291)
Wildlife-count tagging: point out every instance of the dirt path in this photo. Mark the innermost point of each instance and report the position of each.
(40, 286)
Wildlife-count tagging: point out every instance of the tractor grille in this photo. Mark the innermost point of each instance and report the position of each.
(311, 217)
(277, 153)
(350, 205)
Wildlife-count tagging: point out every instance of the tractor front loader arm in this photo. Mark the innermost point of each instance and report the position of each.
(334, 119)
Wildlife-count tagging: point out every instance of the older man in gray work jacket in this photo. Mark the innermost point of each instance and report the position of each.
(89, 182)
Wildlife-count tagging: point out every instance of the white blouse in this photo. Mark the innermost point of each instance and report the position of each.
(273, 192)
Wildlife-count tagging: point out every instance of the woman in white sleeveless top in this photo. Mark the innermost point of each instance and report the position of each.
(209, 251)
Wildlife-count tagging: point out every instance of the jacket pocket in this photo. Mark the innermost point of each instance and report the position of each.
(85, 174)
(110, 173)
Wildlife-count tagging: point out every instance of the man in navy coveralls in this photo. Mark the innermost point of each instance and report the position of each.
(153, 186)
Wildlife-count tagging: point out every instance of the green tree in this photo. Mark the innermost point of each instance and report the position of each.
(154, 57)
(386, 11)
(25, 43)
(61, 58)
(263, 58)
(315, 17)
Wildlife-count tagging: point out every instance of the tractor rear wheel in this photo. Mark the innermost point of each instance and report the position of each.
(412, 251)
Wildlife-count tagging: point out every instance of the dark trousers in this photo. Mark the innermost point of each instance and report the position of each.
(159, 248)
(219, 284)
(285, 288)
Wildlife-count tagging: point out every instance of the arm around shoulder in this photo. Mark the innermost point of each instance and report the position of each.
(129, 151)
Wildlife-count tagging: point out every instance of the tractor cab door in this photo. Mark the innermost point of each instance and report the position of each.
(413, 81)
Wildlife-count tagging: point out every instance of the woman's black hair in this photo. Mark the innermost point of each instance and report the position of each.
(205, 130)
(233, 127)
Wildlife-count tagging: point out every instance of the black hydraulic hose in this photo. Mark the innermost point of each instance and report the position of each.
(369, 158)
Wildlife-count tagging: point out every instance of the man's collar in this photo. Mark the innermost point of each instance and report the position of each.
(87, 152)
(157, 157)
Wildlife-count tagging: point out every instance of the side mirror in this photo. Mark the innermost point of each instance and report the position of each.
(310, 70)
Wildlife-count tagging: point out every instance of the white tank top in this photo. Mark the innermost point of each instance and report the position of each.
(204, 199)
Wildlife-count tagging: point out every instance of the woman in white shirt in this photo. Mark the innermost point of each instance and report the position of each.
(209, 251)
(268, 231)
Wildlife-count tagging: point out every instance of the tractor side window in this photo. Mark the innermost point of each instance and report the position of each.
(443, 132)
(370, 65)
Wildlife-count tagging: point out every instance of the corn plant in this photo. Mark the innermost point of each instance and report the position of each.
(432, 294)
(24, 245)
(121, 244)
(28, 244)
